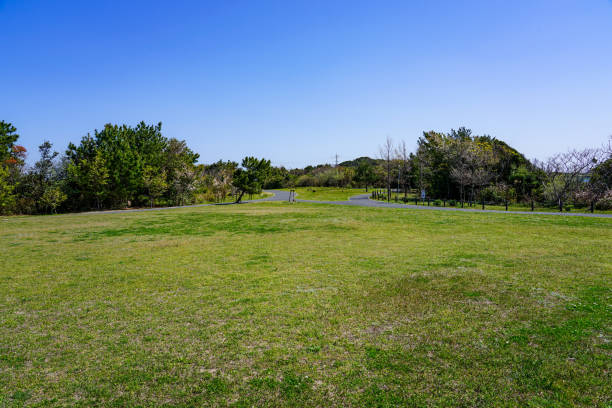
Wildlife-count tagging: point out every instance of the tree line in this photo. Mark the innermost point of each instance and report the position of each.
(479, 169)
(117, 167)
(122, 166)
(458, 166)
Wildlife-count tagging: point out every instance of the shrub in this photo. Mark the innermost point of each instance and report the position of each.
(605, 203)
(437, 203)
(452, 203)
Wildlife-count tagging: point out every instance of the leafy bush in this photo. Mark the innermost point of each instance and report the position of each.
(605, 203)
(452, 203)
(437, 203)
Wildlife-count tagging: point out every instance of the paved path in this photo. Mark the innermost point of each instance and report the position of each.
(363, 200)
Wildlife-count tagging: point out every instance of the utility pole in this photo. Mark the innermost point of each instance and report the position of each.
(336, 167)
(399, 173)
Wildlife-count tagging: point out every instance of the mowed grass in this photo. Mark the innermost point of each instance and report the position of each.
(231, 198)
(272, 304)
(326, 193)
(498, 207)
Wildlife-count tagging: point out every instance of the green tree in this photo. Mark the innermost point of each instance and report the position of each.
(600, 182)
(52, 198)
(7, 198)
(179, 169)
(8, 137)
(98, 178)
(90, 176)
(365, 174)
(117, 156)
(41, 187)
(526, 183)
(155, 183)
(280, 177)
(251, 177)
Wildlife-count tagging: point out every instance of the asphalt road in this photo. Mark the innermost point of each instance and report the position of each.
(363, 200)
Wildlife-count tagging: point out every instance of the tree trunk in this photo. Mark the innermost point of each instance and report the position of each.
(240, 197)
(592, 206)
(560, 205)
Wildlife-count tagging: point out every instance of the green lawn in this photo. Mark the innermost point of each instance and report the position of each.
(511, 206)
(231, 198)
(273, 304)
(326, 193)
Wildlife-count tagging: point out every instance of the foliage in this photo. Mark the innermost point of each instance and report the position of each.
(41, 187)
(7, 198)
(123, 166)
(279, 177)
(564, 173)
(365, 175)
(218, 180)
(119, 165)
(251, 177)
(8, 137)
(155, 182)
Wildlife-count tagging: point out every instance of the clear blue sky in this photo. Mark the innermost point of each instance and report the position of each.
(297, 82)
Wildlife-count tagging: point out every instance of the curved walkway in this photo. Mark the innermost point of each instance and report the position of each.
(363, 200)
(360, 200)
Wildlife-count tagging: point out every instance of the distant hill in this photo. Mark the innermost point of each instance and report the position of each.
(356, 162)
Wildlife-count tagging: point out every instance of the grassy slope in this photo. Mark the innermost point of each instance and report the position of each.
(278, 305)
(326, 193)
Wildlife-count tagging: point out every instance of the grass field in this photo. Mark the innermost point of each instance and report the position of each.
(231, 198)
(272, 304)
(498, 207)
(326, 193)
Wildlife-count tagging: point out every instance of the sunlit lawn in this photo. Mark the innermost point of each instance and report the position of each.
(326, 193)
(272, 304)
(232, 198)
(477, 205)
